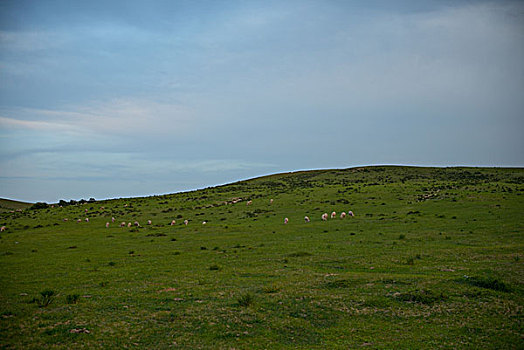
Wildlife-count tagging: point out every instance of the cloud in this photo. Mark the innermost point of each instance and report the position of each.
(122, 117)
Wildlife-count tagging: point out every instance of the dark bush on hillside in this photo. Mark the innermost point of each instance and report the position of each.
(40, 205)
(487, 282)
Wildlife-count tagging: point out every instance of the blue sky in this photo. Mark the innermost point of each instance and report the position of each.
(129, 98)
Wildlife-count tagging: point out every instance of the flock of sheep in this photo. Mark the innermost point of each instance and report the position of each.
(186, 222)
(325, 216)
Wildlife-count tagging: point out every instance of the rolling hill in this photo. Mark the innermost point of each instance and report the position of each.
(433, 258)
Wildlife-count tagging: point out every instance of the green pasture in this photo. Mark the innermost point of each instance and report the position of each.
(433, 258)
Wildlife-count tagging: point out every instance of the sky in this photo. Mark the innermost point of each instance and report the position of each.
(110, 99)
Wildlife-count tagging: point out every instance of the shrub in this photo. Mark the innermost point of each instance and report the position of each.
(488, 283)
(214, 267)
(72, 298)
(245, 299)
(47, 297)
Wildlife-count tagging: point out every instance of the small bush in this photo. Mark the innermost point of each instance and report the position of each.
(299, 254)
(245, 299)
(488, 283)
(47, 297)
(401, 236)
(214, 267)
(111, 263)
(72, 298)
(422, 297)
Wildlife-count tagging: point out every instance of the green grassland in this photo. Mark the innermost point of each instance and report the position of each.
(432, 259)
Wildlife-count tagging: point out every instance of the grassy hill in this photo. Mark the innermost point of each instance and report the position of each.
(433, 258)
(7, 205)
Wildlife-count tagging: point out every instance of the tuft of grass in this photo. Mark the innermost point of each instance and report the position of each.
(214, 267)
(299, 254)
(246, 299)
(426, 297)
(46, 297)
(487, 282)
(72, 298)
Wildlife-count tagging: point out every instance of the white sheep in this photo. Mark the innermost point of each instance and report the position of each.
(204, 222)
(107, 224)
(129, 225)
(249, 202)
(271, 201)
(137, 224)
(333, 215)
(149, 222)
(186, 222)
(112, 219)
(324, 217)
(3, 228)
(87, 219)
(343, 215)
(306, 219)
(123, 224)
(350, 213)
(173, 222)
(286, 220)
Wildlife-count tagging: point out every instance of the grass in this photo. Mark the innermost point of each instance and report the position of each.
(431, 259)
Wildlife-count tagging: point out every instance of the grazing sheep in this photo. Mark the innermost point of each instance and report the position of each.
(123, 224)
(173, 222)
(107, 224)
(286, 220)
(204, 222)
(79, 220)
(149, 222)
(333, 215)
(87, 219)
(249, 202)
(350, 213)
(86, 210)
(324, 217)
(137, 224)
(3, 228)
(343, 215)
(65, 219)
(112, 219)
(129, 225)
(271, 201)
(186, 222)
(306, 219)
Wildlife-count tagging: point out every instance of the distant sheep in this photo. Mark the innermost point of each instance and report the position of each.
(149, 222)
(271, 201)
(112, 219)
(129, 225)
(173, 222)
(343, 215)
(3, 228)
(137, 224)
(79, 220)
(350, 213)
(186, 222)
(65, 220)
(204, 222)
(107, 224)
(306, 219)
(249, 202)
(87, 219)
(123, 224)
(324, 217)
(286, 220)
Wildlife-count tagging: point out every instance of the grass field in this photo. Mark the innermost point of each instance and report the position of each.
(432, 259)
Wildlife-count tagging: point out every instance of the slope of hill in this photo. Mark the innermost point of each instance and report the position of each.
(7, 205)
(432, 258)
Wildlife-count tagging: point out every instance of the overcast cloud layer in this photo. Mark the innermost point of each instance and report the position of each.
(147, 97)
